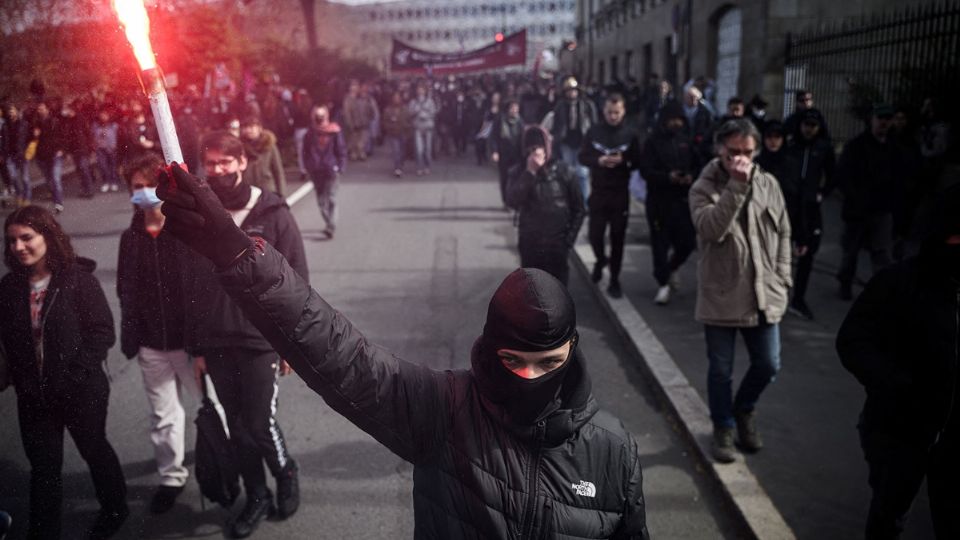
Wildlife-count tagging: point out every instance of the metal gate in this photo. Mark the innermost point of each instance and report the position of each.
(899, 58)
(729, 38)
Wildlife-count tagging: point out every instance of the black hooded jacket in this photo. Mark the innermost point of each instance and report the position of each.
(901, 339)
(816, 162)
(151, 276)
(550, 205)
(212, 319)
(77, 332)
(477, 474)
(666, 151)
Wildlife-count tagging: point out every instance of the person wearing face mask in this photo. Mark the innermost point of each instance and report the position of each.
(669, 163)
(901, 340)
(56, 330)
(151, 269)
(743, 235)
(515, 446)
(242, 364)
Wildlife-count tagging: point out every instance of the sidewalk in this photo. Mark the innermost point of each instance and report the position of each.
(812, 469)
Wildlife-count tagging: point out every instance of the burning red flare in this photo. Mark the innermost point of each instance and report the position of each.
(136, 25)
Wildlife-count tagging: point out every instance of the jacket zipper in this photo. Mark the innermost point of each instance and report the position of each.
(526, 526)
(43, 332)
(163, 314)
(803, 169)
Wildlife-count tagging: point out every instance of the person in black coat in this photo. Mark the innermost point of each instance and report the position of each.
(901, 340)
(871, 175)
(16, 136)
(505, 144)
(151, 270)
(814, 162)
(516, 446)
(670, 163)
(56, 330)
(547, 196)
(612, 151)
(242, 364)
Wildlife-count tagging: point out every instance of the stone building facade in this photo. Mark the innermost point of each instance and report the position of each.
(738, 43)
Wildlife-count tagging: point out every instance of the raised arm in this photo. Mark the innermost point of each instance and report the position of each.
(401, 404)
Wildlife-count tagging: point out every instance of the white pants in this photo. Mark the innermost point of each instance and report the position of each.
(298, 135)
(165, 375)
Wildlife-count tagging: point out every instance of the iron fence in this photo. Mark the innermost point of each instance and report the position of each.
(900, 58)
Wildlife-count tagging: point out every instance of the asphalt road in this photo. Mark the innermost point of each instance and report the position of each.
(413, 265)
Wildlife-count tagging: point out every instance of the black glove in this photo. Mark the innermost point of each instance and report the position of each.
(197, 218)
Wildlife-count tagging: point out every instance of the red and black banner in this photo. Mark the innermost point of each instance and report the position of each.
(509, 52)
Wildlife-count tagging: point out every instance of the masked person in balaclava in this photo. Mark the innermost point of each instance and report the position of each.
(242, 364)
(901, 340)
(514, 447)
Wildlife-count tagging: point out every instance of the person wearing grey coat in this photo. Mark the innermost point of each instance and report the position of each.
(743, 234)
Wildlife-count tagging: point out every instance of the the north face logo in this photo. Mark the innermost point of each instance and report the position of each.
(585, 489)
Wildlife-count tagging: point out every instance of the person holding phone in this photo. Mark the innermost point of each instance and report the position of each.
(611, 149)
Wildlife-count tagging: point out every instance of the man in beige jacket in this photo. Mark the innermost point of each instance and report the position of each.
(743, 234)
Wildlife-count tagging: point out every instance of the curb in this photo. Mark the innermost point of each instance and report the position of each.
(738, 484)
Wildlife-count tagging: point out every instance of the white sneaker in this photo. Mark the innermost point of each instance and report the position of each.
(104, 188)
(114, 187)
(674, 281)
(663, 295)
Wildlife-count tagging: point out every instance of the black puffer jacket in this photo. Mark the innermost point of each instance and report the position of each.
(575, 474)
(150, 281)
(550, 205)
(77, 332)
(901, 339)
(213, 320)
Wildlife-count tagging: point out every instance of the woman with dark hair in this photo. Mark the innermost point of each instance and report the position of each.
(56, 330)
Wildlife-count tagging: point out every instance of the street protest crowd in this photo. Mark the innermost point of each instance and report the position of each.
(728, 180)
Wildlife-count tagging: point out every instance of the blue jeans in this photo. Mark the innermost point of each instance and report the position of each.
(397, 150)
(763, 345)
(423, 143)
(568, 154)
(107, 161)
(20, 174)
(82, 162)
(52, 170)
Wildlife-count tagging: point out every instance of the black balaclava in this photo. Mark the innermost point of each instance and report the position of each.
(234, 196)
(531, 311)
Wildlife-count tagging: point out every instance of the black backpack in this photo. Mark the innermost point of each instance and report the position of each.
(216, 465)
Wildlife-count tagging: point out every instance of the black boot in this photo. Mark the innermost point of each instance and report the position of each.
(597, 274)
(254, 510)
(288, 491)
(108, 522)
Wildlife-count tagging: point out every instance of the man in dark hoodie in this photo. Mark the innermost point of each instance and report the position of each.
(150, 273)
(611, 150)
(871, 176)
(670, 162)
(514, 446)
(547, 195)
(901, 340)
(813, 158)
(243, 365)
